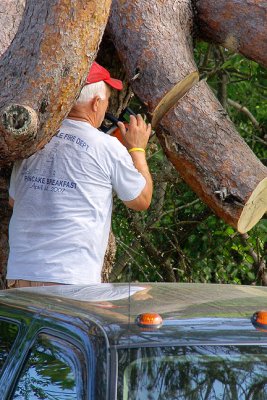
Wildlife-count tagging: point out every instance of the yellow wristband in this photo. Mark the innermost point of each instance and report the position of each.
(136, 149)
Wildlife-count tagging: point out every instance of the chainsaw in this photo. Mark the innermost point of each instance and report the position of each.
(110, 123)
(169, 100)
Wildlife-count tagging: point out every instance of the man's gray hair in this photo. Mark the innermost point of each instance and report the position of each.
(88, 92)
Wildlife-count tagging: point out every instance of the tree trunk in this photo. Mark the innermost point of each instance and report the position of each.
(239, 25)
(197, 135)
(5, 214)
(43, 69)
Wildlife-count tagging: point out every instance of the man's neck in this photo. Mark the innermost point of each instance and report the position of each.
(79, 114)
(79, 119)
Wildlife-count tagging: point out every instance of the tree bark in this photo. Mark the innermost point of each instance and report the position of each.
(239, 25)
(44, 68)
(197, 135)
(10, 16)
(5, 214)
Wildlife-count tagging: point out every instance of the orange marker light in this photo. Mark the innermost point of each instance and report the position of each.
(259, 319)
(149, 320)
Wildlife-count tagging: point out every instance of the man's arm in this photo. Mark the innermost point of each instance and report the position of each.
(11, 202)
(142, 202)
(136, 138)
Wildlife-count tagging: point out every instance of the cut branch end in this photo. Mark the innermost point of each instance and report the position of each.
(254, 209)
(173, 96)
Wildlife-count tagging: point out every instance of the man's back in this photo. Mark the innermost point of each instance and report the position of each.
(62, 195)
(63, 203)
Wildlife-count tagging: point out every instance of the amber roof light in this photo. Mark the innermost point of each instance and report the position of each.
(259, 319)
(149, 320)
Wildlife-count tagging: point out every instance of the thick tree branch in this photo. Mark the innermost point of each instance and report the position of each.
(196, 135)
(43, 69)
(239, 25)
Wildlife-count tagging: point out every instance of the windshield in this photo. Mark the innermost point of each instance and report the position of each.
(193, 373)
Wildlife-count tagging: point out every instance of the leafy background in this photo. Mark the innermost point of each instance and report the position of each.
(179, 238)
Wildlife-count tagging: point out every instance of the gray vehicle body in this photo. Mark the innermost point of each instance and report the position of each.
(100, 322)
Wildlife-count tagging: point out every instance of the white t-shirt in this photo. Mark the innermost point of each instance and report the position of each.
(63, 203)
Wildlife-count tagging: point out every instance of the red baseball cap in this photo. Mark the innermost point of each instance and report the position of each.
(98, 73)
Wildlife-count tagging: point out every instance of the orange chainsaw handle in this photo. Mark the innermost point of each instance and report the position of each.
(117, 133)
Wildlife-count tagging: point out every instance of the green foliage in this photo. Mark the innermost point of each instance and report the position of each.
(247, 85)
(179, 238)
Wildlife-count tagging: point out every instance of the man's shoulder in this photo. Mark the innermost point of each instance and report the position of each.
(71, 124)
(93, 137)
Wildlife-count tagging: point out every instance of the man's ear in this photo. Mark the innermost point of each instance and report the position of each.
(95, 103)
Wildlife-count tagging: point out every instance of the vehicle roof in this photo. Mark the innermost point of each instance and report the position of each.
(190, 311)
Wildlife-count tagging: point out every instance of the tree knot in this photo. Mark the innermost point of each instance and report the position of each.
(19, 120)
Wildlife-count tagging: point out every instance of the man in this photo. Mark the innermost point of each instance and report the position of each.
(62, 195)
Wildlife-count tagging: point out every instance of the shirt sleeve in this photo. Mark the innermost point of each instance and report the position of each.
(127, 181)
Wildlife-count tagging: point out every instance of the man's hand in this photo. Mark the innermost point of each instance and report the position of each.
(137, 134)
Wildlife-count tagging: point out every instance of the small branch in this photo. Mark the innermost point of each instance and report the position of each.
(222, 88)
(245, 111)
(178, 208)
(124, 259)
(259, 264)
(206, 58)
(165, 264)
